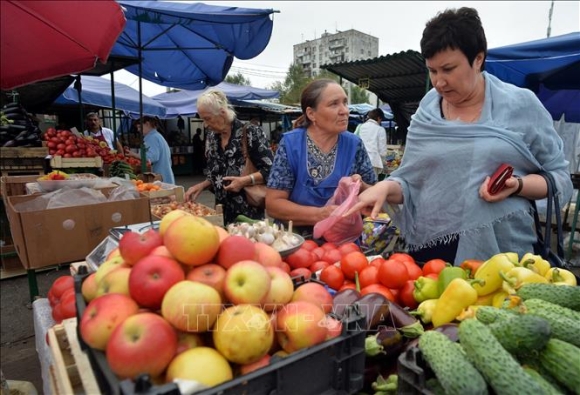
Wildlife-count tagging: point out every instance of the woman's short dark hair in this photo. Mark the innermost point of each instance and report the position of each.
(375, 114)
(311, 98)
(455, 29)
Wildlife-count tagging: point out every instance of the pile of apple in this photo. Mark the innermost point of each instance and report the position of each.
(191, 302)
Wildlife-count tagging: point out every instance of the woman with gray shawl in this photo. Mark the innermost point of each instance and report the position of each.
(464, 128)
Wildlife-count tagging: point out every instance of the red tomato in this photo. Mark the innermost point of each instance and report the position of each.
(309, 245)
(300, 258)
(347, 286)
(331, 256)
(60, 285)
(329, 246)
(67, 305)
(379, 289)
(301, 271)
(319, 252)
(406, 295)
(56, 313)
(393, 274)
(369, 275)
(402, 256)
(353, 262)
(348, 247)
(434, 276)
(414, 270)
(318, 265)
(332, 276)
(395, 293)
(377, 262)
(434, 266)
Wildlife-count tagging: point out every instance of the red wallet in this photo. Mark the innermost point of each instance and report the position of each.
(499, 177)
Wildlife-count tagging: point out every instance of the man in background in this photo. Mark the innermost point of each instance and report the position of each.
(374, 137)
(98, 132)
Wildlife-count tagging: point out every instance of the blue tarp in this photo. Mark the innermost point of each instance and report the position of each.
(190, 46)
(184, 102)
(97, 92)
(549, 67)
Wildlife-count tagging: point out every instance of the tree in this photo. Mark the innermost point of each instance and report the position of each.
(358, 95)
(238, 79)
(291, 88)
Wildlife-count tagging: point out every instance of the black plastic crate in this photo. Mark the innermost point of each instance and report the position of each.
(333, 367)
(413, 373)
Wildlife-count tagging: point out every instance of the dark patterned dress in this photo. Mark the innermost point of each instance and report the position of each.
(230, 162)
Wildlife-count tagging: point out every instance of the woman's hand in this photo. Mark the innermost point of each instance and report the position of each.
(511, 185)
(370, 201)
(326, 211)
(193, 192)
(236, 184)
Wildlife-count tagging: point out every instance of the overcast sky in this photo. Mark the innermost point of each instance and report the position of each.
(397, 24)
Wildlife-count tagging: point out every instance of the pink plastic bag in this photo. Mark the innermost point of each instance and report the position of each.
(335, 228)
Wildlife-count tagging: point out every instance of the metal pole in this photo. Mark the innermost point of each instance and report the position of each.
(142, 147)
(550, 19)
(113, 105)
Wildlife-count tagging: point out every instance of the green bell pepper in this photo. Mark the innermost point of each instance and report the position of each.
(426, 288)
(448, 274)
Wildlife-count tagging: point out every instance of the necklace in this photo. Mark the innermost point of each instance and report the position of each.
(459, 118)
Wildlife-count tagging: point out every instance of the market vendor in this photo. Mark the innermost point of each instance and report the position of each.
(469, 124)
(311, 159)
(98, 132)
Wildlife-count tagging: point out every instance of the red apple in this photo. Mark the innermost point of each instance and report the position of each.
(134, 246)
(102, 315)
(234, 249)
(299, 325)
(267, 255)
(191, 306)
(334, 327)
(243, 334)
(260, 363)
(314, 293)
(246, 282)
(281, 289)
(151, 277)
(143, 343)
(187, 340)
(211, 274)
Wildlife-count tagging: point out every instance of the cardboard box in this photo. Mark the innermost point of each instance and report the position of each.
(15, 185)
(216, 217)
(164, 196)
(62, 235)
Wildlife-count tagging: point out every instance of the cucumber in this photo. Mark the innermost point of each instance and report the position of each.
(537, 377)
(522, 334)
(489, 314)
(499, 368)
(563, 311)
(533, 362)
(454, 372)
(563, 295)
(563, 327)
(562, 360)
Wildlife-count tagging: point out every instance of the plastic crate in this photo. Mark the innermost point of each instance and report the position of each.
(413, 373)
(333, 367)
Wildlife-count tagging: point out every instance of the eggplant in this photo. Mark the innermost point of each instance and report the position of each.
(375, 308)
(342, 300)
(386, 341)
(405, 322)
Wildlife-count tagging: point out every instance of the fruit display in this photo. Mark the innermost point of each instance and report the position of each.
(161, 210)
(120, 168)
(188, 293)
(54, 176)
(18, 128)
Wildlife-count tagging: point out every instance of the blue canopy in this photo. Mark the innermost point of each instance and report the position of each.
(549, 67)
(184, 102)
(97, 92)
(190, 46)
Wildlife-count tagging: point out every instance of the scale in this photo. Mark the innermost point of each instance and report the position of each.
(99, 255)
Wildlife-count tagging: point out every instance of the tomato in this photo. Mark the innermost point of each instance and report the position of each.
(434, 276)
(331, 256)
(369, 275)
(61, 284)
(56, 313)
(301, 258)
(318, 265)
(347, 285)
(319, 252)
(379, 289)
(353, 262)
(434, 266)
(301, 272)
(67, 305)
(395, 293)
(309, 245)
(414, 270)
(329, 246)
(393, 274)
(348, 247)
(332, 276)
(402, 256)
(377, 262)
(406, 295)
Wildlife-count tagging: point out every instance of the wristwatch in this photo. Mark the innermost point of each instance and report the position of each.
(520, 186)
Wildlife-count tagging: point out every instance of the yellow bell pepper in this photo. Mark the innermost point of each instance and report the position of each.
(458, 295)
(513, 257)
(518, 276)
(535, 263)
(558, 276)
(498, 298)
(485, 300)
(489, 274)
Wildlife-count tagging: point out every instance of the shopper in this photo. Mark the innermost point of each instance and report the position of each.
(464, 128)
(374, 138)
(311, 159)
(225, 158)
(157, 150)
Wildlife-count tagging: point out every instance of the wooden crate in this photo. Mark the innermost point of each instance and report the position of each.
(70, 371)
(15, 185)
(59, 162)
(23, 152)
(164, 196)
